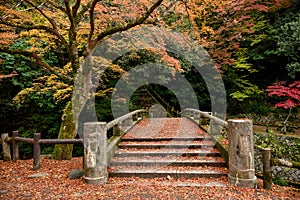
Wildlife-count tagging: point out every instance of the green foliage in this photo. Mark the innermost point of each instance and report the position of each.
(26, 69)
(36, 111)
(280, 181)
(277, 54)
(288, 43)
(281, 147)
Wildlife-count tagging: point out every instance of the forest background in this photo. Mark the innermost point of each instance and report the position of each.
(255, 45)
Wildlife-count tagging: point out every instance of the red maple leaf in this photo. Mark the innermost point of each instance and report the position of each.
(291, 92)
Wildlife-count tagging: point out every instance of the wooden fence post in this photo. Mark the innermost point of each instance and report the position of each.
(15, 146)
(267, 182)
(5, 147)
(95, 155)
(36, 151)
(241, 153)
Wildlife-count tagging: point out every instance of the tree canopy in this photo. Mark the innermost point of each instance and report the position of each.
(43, 43)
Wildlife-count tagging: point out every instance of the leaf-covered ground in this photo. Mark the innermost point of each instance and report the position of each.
(15, 184)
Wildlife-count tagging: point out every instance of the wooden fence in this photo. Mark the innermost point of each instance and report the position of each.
(268, 161)
(37, 141)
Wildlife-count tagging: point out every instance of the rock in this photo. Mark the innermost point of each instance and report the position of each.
(38, 175)
(3, 191)
(76, 174)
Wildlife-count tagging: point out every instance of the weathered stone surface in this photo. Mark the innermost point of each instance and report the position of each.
(3, 191)
(241, 153)
(38, 175)
(157, 111)
(75, 174)
(95, 153)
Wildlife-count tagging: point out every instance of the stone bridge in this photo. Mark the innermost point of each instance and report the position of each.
(148, 144)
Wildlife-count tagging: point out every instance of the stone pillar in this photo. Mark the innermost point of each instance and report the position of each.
(241, 153)
(157, 111)
(116, 130)
(95, 158)
(215, 129)
(5, 147)
(127, 122)
(197, 116)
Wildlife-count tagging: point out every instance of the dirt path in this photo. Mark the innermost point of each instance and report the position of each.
(15, 184)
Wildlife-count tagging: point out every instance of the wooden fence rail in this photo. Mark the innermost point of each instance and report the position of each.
(37, 141)
(268, 162)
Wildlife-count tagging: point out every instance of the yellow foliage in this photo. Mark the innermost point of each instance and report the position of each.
(104, 93)
(22, 95)
(63, 94)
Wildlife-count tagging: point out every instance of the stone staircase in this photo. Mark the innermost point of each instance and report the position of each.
(167, 147)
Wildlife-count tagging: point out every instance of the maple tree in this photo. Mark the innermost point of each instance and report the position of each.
(60, 34)
(227, 30)
(292, 94)
(223, 27)
(68, 31)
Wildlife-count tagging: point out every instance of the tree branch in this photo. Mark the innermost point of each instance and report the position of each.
(9, 75)
(33, 7)
(69, 13)
(39, 27)
(129, 25)
(51, 21)
(76, 7)
(17, 4)
(38, 60)
(57, 7)
(92, 22)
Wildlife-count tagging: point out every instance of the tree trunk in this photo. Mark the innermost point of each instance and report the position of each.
(67, 131)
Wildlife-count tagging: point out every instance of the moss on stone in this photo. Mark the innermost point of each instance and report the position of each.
(67, 131)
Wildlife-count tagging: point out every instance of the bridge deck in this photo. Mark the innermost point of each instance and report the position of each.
(161, 147)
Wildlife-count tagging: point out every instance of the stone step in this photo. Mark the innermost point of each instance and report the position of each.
(174, 162)
(166, 139)
(178, 149)
(168, 146)
(166, 153)
(150, 173)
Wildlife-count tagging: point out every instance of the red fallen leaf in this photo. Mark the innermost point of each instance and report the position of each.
(57, 186)
(225, 142)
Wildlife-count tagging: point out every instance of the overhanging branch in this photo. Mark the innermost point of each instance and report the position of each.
(39, 61)
(129, 25)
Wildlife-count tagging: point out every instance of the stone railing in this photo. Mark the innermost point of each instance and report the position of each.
(98, 151)
(241, 170)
